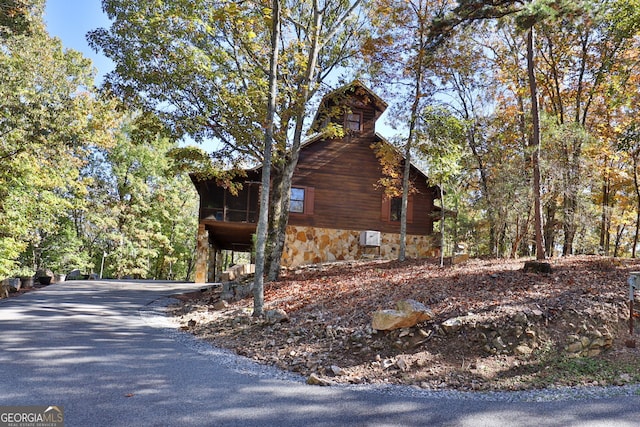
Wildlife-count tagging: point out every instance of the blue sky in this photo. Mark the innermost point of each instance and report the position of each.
(71, 20)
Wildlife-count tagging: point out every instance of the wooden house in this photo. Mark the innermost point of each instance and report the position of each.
(338, 209)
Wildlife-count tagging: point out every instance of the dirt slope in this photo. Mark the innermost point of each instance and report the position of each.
(516, 330)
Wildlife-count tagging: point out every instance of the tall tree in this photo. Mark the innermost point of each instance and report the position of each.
(17, 16)
(320, 36)
(402, 52)
(440, 140)
(203, 68)
(49, 116)
(143, 207)
(263, 220)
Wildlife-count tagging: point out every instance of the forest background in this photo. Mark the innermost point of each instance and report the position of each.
(94, 178)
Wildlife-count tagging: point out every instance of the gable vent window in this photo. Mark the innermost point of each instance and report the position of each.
(353, 122)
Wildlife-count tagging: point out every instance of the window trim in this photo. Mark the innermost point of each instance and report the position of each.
(302, 200)
(307, 202)
(385, 212)
(347, 121)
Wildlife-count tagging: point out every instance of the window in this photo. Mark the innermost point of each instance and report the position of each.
(297, 200)
(392, 209)
(353, 122)
(396, 209)
(301, 200)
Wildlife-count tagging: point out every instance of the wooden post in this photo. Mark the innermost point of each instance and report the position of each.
(202, 254)
(213, 255)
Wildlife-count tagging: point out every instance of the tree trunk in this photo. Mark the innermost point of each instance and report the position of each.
(484, 188)
(415, 106)
(405, 191)
(442, 227)
(535, 143)
(637, 188)
(571, 177)
(278, 232)
(604, 230)
(549, 226)
(263, 218)
(279, 210)
(619, 233)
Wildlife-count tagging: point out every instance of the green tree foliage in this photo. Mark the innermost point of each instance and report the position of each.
(203, 68)
(17, 16)
(73, 184)
(198, 65)
(48, 118)
(141, 213)
(440, 139)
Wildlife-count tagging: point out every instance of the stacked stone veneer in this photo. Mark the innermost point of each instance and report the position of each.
(310, 245)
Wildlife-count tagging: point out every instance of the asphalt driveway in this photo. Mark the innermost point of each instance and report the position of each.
(103, 351)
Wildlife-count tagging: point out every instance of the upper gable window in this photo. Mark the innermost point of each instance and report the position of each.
(353, 121)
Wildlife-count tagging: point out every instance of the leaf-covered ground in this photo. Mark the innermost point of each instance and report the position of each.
(329, 308)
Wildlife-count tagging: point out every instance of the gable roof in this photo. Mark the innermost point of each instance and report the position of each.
(337, 97)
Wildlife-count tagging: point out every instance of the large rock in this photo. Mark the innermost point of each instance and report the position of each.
(276, 316)
(407, 313)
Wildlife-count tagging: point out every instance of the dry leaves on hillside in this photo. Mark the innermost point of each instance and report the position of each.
(329, 308)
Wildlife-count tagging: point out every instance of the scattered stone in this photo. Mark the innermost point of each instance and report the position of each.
(4, 289)
(625, 378)
(575, 347)
(386, 320)
(276, 316)
(387, 363)
(314, 379)
(336, 370)
(220, 305)
(536, 313)
(404, 332)
(191, 323)
(451, 326)
(12, 284)
(402, 364)
(537, 267)
(523, 350)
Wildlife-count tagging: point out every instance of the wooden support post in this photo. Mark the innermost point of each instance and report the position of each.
(213, 255)
(202, 254)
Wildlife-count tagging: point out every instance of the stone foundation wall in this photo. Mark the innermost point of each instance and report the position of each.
(310, 245)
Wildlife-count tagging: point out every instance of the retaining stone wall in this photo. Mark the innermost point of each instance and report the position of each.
(310, 245)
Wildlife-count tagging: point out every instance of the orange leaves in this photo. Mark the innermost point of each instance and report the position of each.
(348, 292)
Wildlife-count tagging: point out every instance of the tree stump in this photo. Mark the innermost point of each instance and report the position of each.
(537, 267)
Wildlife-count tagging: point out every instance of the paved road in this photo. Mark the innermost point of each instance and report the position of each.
(102, 351)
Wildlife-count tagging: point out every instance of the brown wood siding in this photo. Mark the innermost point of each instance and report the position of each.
(340, 179)
(344, 174)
